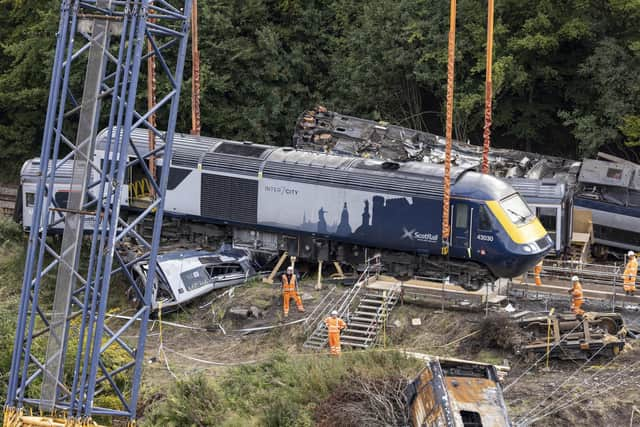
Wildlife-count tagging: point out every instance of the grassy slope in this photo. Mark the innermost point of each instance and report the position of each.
(286, 390)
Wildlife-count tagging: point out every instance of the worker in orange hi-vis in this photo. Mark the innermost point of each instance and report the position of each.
(290, 290)
(536, 273)
(577, 298)
(629, 275)
(334, 326)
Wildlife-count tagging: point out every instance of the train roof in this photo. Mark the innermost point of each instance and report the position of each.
(246, 158)
(544, 191)
(30, 171)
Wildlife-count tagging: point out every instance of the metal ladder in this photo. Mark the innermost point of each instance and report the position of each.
(319, 337)
(369, 317)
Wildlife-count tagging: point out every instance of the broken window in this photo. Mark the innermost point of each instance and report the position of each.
(222, 269)
(470, 419)
(614, 173)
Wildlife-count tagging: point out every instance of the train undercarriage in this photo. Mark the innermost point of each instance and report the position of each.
(307, 247)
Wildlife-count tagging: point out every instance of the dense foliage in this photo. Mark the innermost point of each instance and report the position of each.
(566, 75)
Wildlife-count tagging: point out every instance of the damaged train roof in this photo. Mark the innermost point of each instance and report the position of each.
(452, 392)
(322, 130)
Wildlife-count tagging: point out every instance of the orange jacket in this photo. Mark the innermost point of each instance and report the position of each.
(576, 291)
(288, 285)
(630, 271)
(537, 269)
(334, 325)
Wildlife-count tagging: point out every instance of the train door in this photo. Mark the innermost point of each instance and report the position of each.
(461, 222)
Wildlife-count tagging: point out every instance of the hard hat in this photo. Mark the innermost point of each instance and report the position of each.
(631, 253)
(289, 268)
(575, 279)
(334, 313)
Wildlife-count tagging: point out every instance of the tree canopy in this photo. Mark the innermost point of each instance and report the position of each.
(566, 78)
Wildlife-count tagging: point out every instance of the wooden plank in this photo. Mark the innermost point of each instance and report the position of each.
(582, 220)
(579, 238)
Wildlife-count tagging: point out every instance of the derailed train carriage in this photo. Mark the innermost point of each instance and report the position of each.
(326, 207)
(456, 393)
(545, 182)
(609, 191)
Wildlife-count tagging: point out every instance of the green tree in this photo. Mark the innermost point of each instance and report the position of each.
(26, 55)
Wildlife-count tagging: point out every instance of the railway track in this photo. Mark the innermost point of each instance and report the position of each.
(8, 196)
(612, 294)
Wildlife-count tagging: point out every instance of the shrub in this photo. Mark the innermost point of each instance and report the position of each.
(192, 401)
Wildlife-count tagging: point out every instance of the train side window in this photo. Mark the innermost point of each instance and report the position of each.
(30, 199)
(62, 199)
(462, 216)
(484, 219)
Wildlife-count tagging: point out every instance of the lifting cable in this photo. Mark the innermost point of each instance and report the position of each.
(449, 129)
(195, 71)
(488, 90)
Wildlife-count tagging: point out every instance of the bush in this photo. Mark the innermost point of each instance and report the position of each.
(193, 401)
(497, 331)
(284, 413)
(10, 231)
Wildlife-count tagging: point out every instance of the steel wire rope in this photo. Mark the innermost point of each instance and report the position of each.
(508, 386)
(578, 369)
(579, 398)
(561, 405)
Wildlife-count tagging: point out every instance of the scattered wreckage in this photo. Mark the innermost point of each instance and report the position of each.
(183, 276)
(566, 336)
(608, 188)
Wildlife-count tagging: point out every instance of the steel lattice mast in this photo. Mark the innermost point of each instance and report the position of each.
(106, 39)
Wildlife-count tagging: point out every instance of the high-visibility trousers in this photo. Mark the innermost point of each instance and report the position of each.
(334, 343)
(536, 275)
(287, 296)
(629, 285)
(576, 303)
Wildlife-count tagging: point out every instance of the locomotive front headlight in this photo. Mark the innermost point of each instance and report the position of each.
(527, 248)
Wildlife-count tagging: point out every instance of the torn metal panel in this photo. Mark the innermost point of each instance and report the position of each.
(322, 130)
(452, 393)
(606, 173)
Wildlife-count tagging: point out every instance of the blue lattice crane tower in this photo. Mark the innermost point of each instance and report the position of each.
(58, 362)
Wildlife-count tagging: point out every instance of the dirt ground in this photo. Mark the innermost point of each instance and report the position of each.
(602, 392)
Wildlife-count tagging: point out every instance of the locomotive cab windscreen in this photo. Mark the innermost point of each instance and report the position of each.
(517, 209)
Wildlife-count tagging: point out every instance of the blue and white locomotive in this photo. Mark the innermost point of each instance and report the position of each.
(334, 208)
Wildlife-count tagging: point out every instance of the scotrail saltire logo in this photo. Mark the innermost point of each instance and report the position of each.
(420, 237)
